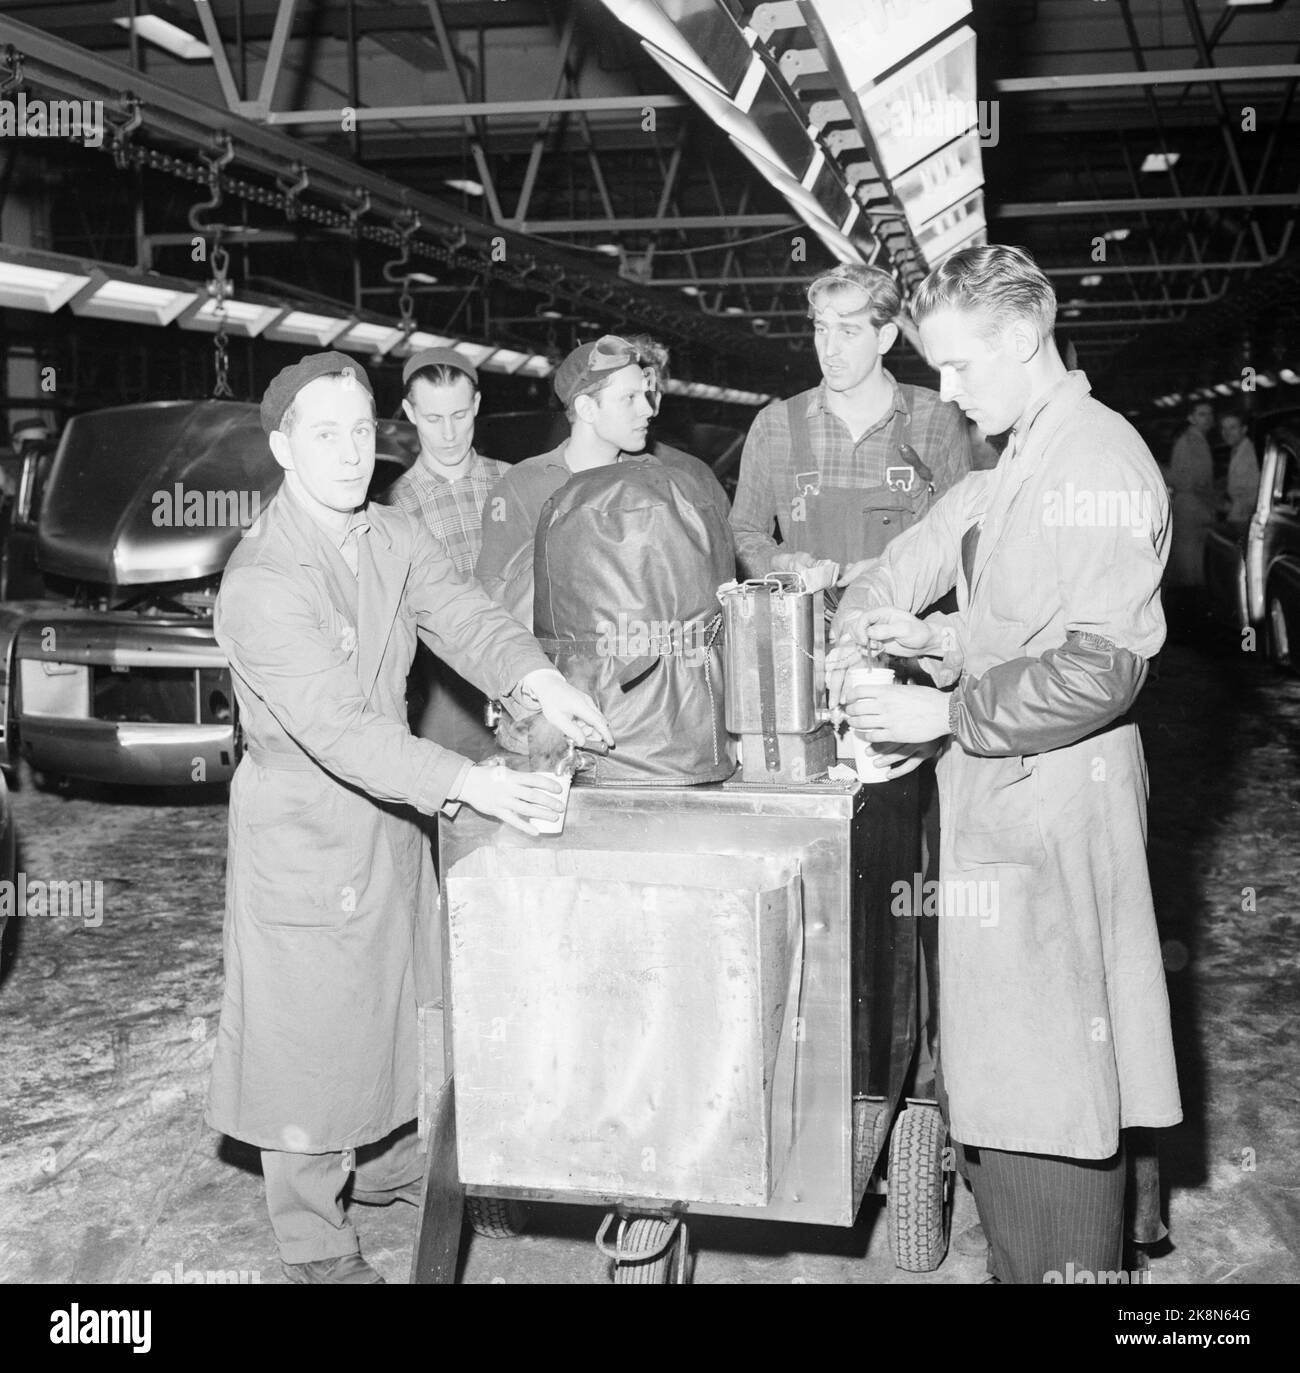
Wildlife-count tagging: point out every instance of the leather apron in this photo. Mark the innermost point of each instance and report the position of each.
(849, 523)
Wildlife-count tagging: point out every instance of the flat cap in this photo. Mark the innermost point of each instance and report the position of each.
(434, 357)
(286, 383)
(586, 367)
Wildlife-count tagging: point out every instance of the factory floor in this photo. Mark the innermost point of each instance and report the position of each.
(108, 1174)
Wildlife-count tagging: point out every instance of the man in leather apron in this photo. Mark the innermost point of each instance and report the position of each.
(841, 470)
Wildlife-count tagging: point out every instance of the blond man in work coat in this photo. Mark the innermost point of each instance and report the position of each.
(1055, 1014)
(330, 936)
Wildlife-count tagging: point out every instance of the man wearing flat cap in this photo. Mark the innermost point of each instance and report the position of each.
(330, 937)
(446, 489)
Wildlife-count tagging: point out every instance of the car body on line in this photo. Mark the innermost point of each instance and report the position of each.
(1252, 571)
(109, 671)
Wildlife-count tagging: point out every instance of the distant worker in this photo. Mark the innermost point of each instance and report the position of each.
(1191, 480)
(1243, 467)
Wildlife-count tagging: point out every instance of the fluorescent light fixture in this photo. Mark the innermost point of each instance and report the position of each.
(505, 360)
(244, 318)
(465, 185)
(926, 105)
(809, 208)
(657, 31)
(1265, 379)
(156, 23)
(37, 288)
(733, 310)
(690, 290)
(1116, 235)
(306, 327)
(1092, 280)
(420, 339)
(1159, 162)
(1223, 390)
(365, 337)
(951, 230)
(135, 302)
(1071, 314)
(1289, 376)
(475, 353)
(609, 249)
(940, 181)
(721, 111)
(537, 366)
(871, 38)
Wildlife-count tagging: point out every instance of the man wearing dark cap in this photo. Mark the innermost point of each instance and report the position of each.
(330, 937)
(446, 490)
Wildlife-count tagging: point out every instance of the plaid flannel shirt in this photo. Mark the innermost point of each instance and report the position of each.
(452, 511)
(938, 434)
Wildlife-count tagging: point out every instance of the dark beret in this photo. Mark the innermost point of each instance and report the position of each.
(286, 383)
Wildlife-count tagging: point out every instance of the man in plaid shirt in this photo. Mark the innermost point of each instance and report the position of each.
(841, 470)
(446, 490)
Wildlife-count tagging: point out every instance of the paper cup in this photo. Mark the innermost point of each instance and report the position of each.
(556, 826)
(860, 677)
(857, 679)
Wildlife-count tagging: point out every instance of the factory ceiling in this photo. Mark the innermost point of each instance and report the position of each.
(536, 175)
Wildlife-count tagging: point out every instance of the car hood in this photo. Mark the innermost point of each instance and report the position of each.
(162, 492)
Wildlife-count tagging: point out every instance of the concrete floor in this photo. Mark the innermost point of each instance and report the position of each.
(107, 1173)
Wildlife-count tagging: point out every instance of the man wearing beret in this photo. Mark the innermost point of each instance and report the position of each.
(330, 937)
(446, 489)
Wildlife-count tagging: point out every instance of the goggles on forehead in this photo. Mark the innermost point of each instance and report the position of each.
(608, 354)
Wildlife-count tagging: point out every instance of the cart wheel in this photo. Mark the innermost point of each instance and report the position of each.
(918, 1210)
(647, 1235)
(870, 1126)
(496, 1218)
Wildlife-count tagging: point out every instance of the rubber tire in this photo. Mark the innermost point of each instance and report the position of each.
(918, 1213)
(1279, 634)
(644, 1235)
(870, 1126)
(496, 1218)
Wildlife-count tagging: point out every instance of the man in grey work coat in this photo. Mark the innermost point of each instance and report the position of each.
(330, 936)
(1056, 1019)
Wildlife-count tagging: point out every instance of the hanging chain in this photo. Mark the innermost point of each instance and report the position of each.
(219, 289)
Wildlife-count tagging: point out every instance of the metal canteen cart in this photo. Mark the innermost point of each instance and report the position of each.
(694, 1000)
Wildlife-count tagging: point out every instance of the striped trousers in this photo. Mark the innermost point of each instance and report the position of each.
(1047, 1218)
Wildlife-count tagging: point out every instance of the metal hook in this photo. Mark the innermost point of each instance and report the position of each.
(406, 228)
(13, 77)
(214, 165)
(357, 210)
(125, 131)
(292, 190)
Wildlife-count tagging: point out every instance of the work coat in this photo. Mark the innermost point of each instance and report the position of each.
(1052, 993)
(330, 933)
